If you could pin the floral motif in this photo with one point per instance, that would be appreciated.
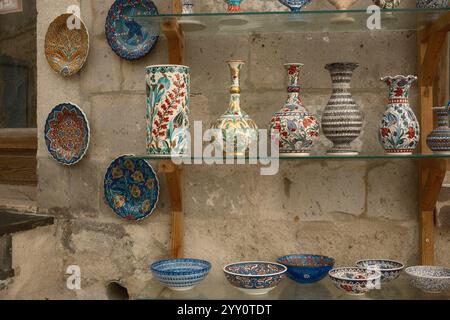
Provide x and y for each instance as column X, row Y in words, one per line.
column 297, row 129
column 399, row 130
column 307, row 268
column 234, row 5
column 432, row 3
column 66, row 49
column 128, row 39
column 180, row 274
column 168, row 89
column 429, row 278
column 390, row 270
column 355, row 281
column 439, row 139
column 387, row 4
column 67, row 134
column 131, row 188
column 295, row 5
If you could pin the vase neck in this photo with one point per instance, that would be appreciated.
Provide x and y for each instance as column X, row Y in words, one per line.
column 341, row 79
column 234, row 5
column 442, row 115
column 235, row 89
column 399, row 87
column 293, row 88
column 187, row 7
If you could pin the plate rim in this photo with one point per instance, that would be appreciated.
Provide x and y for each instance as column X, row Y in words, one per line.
column 87, row 51
column 157, row 183
column 110, row 42
column 88, row 134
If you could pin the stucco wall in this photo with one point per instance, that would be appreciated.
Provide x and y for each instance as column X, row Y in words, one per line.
column 346, row 209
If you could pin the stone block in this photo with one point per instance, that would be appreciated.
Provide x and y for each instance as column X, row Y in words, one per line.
column 392, row 190
column 443, row 216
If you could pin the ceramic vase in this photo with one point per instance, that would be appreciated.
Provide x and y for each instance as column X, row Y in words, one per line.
column 296, row 127
column 342, row 119
column 342, row 5
column 189, row 24
column 439, row 139
column 431, row 4
column 295, row 5
column 234, row 5
column 399, row 129
column 237, row 131
column 168, row 89
column 387, row 4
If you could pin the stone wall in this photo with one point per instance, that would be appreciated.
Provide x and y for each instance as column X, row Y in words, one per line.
column 347, row 209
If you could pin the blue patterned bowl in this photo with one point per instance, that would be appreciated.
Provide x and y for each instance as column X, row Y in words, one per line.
column 430, row 279
column 180, row 274
column 355, row 281
column 307, row 268
column 390, row 269
column 255, row 277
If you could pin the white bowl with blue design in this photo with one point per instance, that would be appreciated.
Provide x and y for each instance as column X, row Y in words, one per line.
column 390, row 269
column 180, row 274
column 255, row 277
column 430, row 279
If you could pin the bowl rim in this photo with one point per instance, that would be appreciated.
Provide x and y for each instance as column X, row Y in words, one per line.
column 375, row 276
column 408, row 271
column 332, row 260
column 402, row 265
column 206, row 266
column 255, row 275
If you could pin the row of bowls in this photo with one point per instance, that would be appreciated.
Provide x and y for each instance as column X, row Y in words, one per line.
column 257, row 278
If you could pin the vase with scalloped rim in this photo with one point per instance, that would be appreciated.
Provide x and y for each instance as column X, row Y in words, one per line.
column 342, row 5
column 342, row 119
column 236, row 129
column 296, row 6
column 388, row 5
column 399, row 132
column 296, row 127
column 439, row 139
column 233, row 7
column 189, row 24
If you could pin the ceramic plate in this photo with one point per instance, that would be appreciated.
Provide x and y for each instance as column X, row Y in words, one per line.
column 128, row 39
column 131, row 188
column 66, row 50
column 67, row 133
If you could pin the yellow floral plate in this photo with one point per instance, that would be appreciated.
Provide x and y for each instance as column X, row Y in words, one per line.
column 131, row 188
column 67, row 44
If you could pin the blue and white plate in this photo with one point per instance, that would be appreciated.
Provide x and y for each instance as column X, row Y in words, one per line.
column 129, row 39
column 67, row 133
column 131, row 188
column 180, row 274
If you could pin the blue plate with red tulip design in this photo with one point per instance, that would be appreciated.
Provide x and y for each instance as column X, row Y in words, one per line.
column 129, row 39
column 131, row 188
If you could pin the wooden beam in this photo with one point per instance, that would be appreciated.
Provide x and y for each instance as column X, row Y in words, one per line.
column 440, row 25
column 177, row 6
column 18, row 139
column 175, row 40
column 432, row 57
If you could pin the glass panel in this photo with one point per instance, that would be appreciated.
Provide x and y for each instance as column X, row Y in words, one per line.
column 304, row 21
column 18, row 64
column 214, row 289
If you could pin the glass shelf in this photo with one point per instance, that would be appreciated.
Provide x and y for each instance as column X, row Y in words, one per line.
column 288, row 22
column 220, row 289
column 312, row 157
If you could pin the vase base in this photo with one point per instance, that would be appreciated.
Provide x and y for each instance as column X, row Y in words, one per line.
column 399, row 153
column 342, row 154
column 234, row 21
column 191, row 25
column 443, row 153
column 294, row 155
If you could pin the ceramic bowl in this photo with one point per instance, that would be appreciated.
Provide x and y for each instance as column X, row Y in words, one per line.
column 430, row 279
column 307, row 268
column 255, row 278
column 355, row 281
column 390, row 269
column 180, row 274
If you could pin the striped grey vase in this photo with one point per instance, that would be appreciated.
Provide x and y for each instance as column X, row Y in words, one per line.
column 342, row 119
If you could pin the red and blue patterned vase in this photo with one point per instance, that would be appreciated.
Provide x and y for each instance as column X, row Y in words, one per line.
column 399, row 131
column 168, row 89
column 439, row 139
column 296, row 127
column 234, row 5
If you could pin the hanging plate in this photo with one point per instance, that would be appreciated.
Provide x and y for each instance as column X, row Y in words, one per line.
column 129, row 39
column 67, row 133
column 131, row 188
column 66, row 49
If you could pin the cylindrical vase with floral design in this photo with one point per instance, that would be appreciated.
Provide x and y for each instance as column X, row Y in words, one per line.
column 168, row 89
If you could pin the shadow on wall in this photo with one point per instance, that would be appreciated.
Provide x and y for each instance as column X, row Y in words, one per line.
column 115, row 291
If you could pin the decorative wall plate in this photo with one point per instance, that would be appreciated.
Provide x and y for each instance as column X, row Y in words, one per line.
column 67, row 133
column 131, row 188
column 129, row 39
column 66, row 49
